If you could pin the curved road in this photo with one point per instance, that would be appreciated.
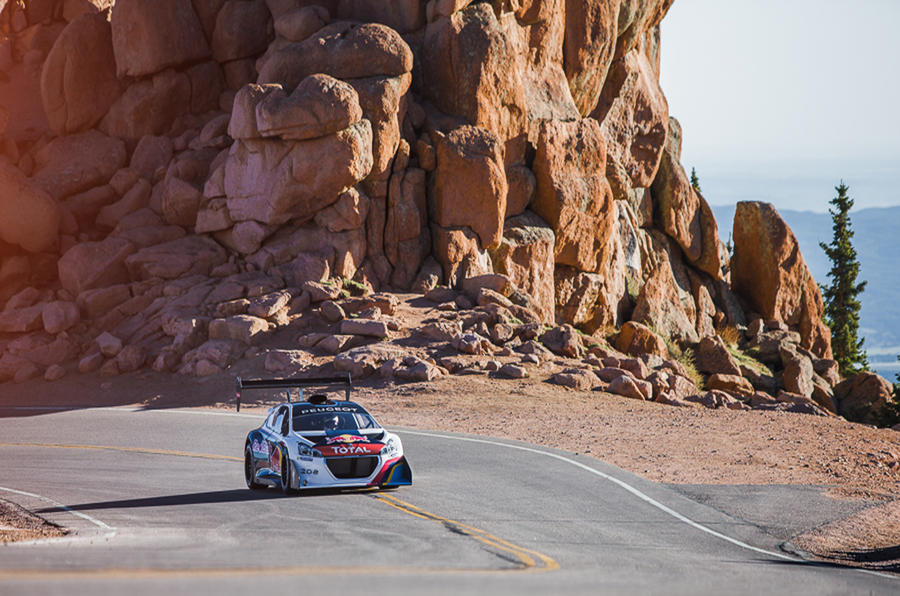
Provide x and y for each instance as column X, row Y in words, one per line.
column 158, row 505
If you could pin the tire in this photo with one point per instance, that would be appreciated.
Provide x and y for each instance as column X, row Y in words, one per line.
column 248, row 471
column 286, row 468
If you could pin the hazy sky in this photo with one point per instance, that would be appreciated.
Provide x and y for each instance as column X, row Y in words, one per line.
column 786, row 97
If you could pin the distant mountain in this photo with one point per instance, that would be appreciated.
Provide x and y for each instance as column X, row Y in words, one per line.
column 877, row 243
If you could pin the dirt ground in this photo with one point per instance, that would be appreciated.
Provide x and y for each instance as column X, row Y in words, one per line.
column 17, row 524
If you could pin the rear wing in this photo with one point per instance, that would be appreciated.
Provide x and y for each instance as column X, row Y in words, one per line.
column 342, row 381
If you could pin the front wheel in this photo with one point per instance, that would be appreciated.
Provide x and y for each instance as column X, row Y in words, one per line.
column 249, row 472
column 286, row 468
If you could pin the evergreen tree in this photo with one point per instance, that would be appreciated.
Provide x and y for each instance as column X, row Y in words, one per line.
column 842, row 296
column 695, row 181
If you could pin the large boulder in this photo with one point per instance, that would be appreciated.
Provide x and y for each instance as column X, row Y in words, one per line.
column 319, row 106
column 241, row 30
column 591, row 28
column 664, row 305
column 460, row 254
column 76, row 163
column 190, row 255
column 407, row 240
column 470, row 183
column 683, row 212
column 78, row 80
column 861, row 397
column 713, row 357
column 525, row 256
column 472, row 64
column 148, row 37
column 94, row 265
column 29, row 217
column 637, row 339
column 149, row 106
column 768, row 270
column 572, row 194
column 341, row 50
column 273, row 181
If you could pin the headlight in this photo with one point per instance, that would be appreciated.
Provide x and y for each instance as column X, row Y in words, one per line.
column 391, row 448
column 303, row 450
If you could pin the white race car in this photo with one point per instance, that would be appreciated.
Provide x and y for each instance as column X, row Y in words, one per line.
column 320, row 442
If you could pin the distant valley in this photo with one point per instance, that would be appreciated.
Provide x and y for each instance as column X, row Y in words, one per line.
column 877, row 243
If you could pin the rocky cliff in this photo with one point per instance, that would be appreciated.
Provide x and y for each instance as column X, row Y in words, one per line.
column 184, row 175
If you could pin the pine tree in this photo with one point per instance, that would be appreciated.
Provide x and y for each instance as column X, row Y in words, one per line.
column 695, row 181
column 842, row 296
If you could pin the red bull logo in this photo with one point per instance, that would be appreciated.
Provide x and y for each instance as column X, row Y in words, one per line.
column 345, row 439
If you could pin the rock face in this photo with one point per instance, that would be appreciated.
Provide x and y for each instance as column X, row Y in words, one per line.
column 209, row 175
column 769, row 271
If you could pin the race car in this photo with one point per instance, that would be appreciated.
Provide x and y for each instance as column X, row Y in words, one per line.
column 320, row 442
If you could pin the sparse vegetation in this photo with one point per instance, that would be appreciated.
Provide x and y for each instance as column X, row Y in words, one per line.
column 731, row 335
column 685, row 357
column 353, row 288
column 695, row 180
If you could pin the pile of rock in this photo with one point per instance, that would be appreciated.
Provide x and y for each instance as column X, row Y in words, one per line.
column 186, row 176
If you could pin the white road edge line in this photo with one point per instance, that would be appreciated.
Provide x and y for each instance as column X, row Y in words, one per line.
column 634, row 491
column 603, row 475
column 110, row 531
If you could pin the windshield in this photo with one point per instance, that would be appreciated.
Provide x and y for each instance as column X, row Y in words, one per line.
column 331, row 419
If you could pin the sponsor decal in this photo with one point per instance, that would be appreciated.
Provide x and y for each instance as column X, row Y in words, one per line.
column 275, row 459
column 351, row 449
column 260, row 447
column 304, row 458
column 320, row 409
column 345, row 439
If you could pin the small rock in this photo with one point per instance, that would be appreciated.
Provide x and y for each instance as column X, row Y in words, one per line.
column 319, row 292
column 367, row 327
column 54, row 373
column 730, row 384
column 131, row 358
column 286, row 360
column 90, row 363
column 441, row 294
column 441, row 330
column 628, row 386
column 109, row 345
column 611, row 373
column 579, row 379
column 332, row 344
column 109, row 369
column 59, row 316
column 267, row 305
column 563, row 340
column 244, row 328
column 332, row 311
column 25, row 372
column 205, row 368
column 513, row 371
column 531, row 359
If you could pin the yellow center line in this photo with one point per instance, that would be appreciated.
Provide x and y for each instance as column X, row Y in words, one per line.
column 521, row 553
column 126, row 450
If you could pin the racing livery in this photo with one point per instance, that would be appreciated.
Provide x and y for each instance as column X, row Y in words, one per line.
column 319, row 442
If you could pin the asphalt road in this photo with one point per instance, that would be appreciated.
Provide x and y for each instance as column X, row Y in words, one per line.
column 158, row 505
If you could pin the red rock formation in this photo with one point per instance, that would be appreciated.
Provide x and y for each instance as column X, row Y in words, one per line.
column 769, row 272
